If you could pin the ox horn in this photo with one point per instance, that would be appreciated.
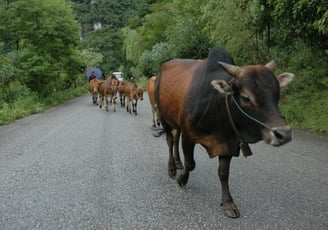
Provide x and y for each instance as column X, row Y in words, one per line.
column 271, row 65
column 231, row 69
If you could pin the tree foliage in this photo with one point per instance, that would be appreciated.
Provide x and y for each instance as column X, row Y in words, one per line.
column 41, row 39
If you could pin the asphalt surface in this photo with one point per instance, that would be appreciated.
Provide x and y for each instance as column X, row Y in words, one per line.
column 78, row 167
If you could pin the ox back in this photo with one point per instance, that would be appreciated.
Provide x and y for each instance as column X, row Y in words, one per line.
column 220, row 106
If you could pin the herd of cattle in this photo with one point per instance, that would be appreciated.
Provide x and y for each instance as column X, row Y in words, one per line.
column 106, row 92
column 216, row 104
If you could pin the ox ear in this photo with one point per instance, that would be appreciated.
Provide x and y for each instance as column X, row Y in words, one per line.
column 271, row 65
column 231, row 69
column 222, row 86
column 285, row 78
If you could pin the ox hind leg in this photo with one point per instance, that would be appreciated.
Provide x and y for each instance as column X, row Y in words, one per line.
column 176, row 154
column 154, row 116
column 153, row 121
column 171, row 167
column 229, row 207
column 189, row 162
column 134, row 107
column 157, row 118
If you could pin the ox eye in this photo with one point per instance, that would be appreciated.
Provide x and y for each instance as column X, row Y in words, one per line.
column 245, row 99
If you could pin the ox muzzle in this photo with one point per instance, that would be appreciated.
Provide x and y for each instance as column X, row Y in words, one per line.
column 278, row 135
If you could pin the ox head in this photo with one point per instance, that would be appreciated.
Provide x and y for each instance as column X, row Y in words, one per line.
column 255, row 93
column 140, row 92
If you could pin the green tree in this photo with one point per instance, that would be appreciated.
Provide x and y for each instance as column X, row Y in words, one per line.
column 108, row 43
column 300, row 19
column 43, row 34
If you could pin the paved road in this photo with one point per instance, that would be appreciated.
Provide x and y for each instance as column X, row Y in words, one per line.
column 79, row 167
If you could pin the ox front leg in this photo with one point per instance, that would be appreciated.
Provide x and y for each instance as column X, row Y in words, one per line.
column 128, row 106
column 94, row 98
column 97, row 98
column 189, row 161
column 114, row 103
column 229, row 207
column 101, row 99
column 123, row 101
column 106, row 103
column 134, row 106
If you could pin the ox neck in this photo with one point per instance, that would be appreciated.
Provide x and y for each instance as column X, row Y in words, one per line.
column 246, row 150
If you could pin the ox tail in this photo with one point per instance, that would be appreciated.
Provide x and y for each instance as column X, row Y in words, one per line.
column 157, row 132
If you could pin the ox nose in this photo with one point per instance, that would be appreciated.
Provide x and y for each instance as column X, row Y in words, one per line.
column 281, row 135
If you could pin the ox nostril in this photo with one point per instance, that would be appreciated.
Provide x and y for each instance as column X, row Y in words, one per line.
column 279, row 135
column 283, row 134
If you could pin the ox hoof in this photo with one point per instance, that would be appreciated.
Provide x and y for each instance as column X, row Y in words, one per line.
column 172, row 172
column 183, row 179
column 230, row 210
column 178, row 165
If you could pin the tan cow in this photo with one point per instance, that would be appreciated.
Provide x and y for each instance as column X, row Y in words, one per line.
column 115, row 85
column 94, row 86
column 107, row 92
column 151, row 96
column 133, row 94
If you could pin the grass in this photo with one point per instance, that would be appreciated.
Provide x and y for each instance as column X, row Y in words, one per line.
column 307, row 111
column 31, row 104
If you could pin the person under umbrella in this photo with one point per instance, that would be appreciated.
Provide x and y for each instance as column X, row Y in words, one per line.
column 92, row 76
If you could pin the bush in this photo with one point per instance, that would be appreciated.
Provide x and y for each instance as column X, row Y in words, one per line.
column 304, row 101
column 31, row 103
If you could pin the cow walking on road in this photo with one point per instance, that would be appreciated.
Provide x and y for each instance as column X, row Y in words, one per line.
column 151, row 96
column 221, row 106
column 94, row 86
column 133, row 94
column 108, row 91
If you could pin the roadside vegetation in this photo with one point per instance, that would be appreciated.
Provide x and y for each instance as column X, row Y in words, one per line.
column 46, row 46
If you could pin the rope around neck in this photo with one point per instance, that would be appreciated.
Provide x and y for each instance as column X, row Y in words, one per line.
column 246, row 150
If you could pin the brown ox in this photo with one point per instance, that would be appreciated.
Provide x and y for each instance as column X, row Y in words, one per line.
column 94, row 86
column 133, row 94
column 115, row 85
column 108, row 90
column 222, row 107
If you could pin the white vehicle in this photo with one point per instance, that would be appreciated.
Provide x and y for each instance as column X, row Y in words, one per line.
column 118, row 75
